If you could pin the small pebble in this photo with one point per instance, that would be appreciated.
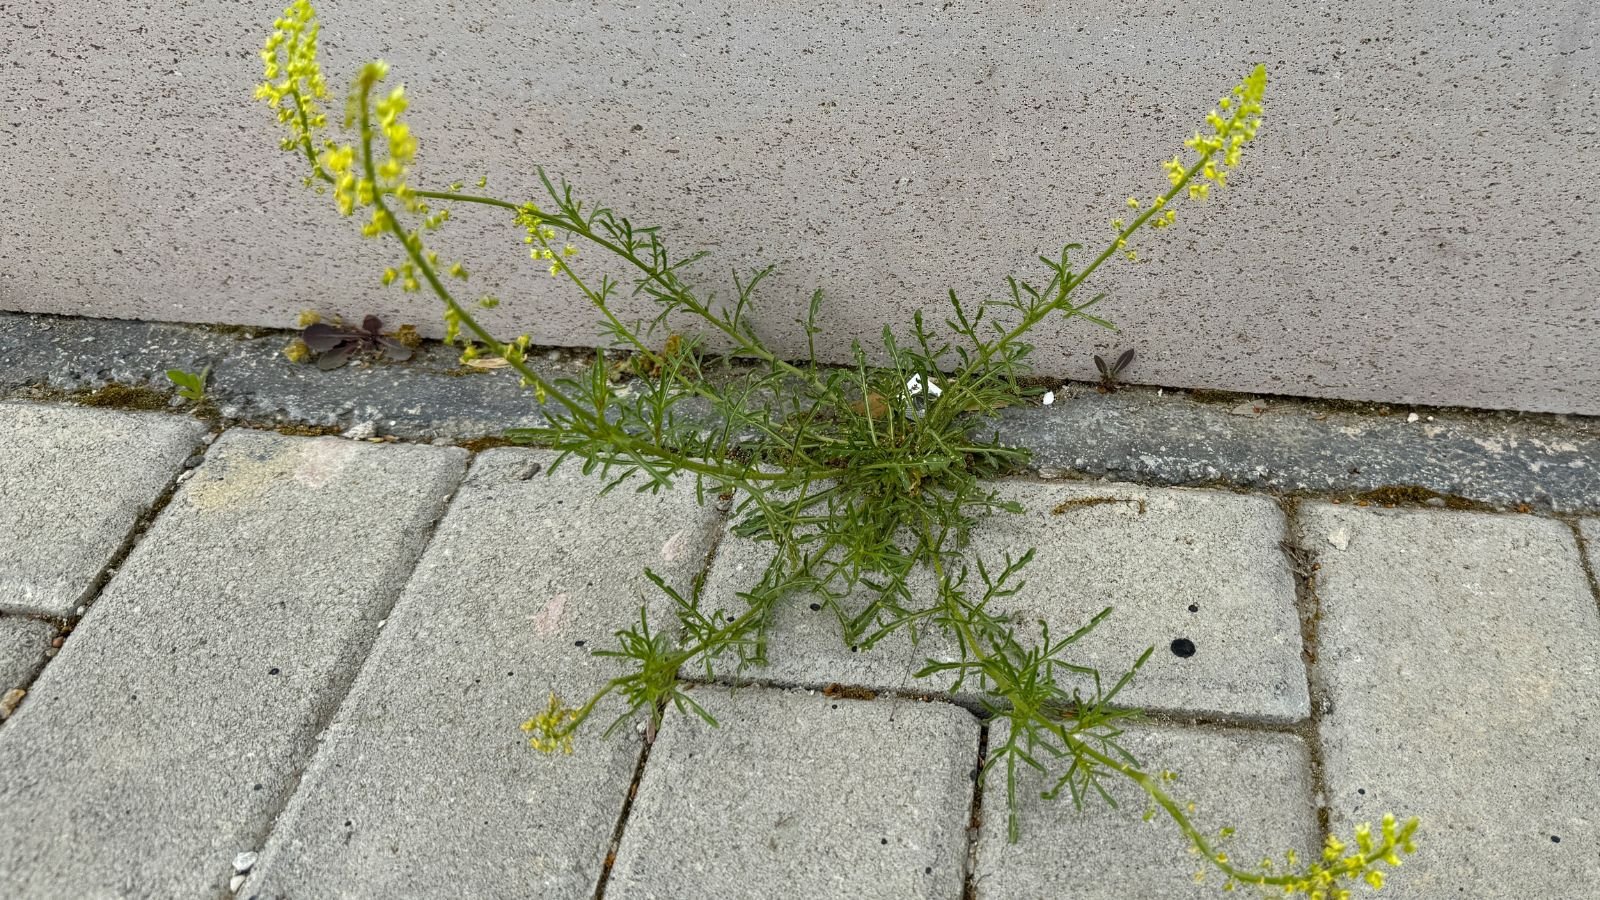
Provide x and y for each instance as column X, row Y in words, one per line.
column 1048, row 398
column 364, row 431
column 194, row 460
column 58, row 642
column 1340, row 539
column 235, row 883
column 244, row 861
column 50, row 652
column 9, row 701
column 1413, row 417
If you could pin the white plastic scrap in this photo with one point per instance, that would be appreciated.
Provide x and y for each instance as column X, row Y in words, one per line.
column 915, row 387
column 1048, row 398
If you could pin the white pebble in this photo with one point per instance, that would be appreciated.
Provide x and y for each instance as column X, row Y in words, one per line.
column 235, row 883
column 1340, row 539
column 1048, row 398
column 1413, row 417
column 244, row 861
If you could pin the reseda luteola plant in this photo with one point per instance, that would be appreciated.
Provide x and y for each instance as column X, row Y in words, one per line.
column 857, row 476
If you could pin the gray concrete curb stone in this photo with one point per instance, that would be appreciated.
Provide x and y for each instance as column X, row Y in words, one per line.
column 797, row 795
column 1136, row 434
column 424, row 786
column 74, row 482
column 1457, row 651
column 180, row 712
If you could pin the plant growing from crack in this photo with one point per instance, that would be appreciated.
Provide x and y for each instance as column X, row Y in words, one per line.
column 857, row 476
column 191, row 385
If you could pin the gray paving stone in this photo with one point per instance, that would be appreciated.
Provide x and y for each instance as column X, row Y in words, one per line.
column 424, row 785
column 175, row 721
column 1256, row 783
column 797, row 795
column 1151, row 553
column 75, row 480
column 22, row 646
column 1458, row 655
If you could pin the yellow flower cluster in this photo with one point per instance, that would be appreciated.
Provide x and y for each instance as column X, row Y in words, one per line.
column 293, row 86
column 1324, row 879
column 551, row 730
column 1233, row 124
column 292, row 78
column 540, row 235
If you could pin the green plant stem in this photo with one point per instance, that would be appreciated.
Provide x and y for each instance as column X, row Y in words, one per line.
column 745, row 345
column 597, row 424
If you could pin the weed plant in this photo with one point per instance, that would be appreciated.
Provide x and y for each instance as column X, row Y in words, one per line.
column 856, row 476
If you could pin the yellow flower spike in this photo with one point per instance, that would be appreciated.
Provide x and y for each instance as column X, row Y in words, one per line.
column 1174, row 167
column 459, row 271
column 389, row 275
column 569, row 250
column 548, row 727
column 1116, row 224
column 1133, row 202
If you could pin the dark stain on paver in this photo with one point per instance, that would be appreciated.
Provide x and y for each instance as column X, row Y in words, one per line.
column 1082, row 502
column 849, row 692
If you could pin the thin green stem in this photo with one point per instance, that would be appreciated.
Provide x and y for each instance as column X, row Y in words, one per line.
column 413, row 247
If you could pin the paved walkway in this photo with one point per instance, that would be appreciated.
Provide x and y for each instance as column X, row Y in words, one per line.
column 303, row 678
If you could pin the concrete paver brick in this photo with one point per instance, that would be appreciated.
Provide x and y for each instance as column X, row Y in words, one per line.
column 1458, row 655
column 424, row 786
column 178, row 716
column 1190, row 572
column 1254, row 782
column 799, row 795
column 74, row 481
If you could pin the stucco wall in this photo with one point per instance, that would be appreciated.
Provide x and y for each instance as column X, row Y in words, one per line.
column 1416, row 222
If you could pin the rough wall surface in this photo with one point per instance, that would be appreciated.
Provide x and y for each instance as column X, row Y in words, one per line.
column 1415, row 223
